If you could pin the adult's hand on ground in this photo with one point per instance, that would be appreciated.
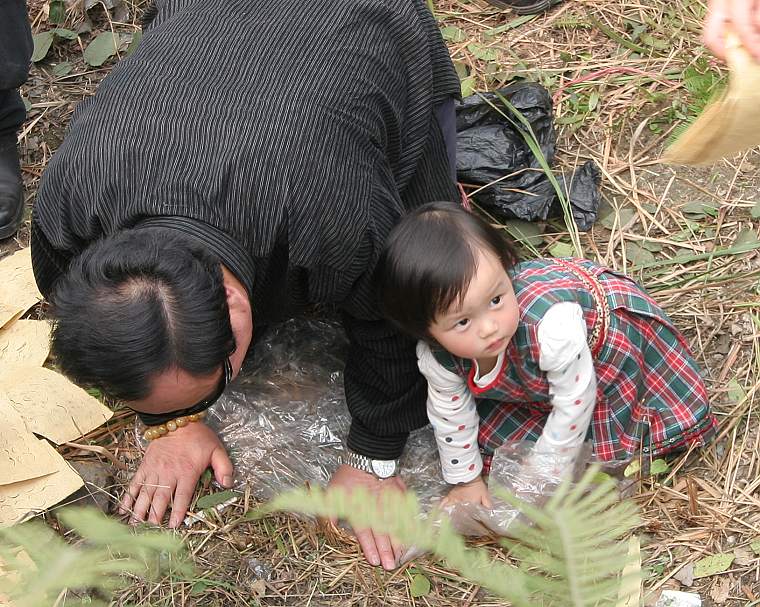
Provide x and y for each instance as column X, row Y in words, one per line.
column 739, row 16
column 377, row 548
column 170, row 470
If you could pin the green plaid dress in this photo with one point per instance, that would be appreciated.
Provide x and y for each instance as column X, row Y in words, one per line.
column 650, row 394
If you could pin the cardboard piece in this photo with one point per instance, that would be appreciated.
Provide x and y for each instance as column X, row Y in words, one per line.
column 20, row 501
column 23, row 455
column 33, row 476
column 24, row 342
column 25, row 561
column 19, row 292
column 730, row 124
column 50, row 404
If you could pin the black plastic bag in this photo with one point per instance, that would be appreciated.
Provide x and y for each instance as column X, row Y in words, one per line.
column 490, row 148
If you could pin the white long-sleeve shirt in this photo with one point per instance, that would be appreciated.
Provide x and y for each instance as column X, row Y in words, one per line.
column 564, row 357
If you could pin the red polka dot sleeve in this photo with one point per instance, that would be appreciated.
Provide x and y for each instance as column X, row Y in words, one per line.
column 569, row 367
column 454, row 417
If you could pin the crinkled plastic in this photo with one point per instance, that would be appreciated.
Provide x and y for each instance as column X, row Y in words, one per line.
column 491, row 150
column 284, row 418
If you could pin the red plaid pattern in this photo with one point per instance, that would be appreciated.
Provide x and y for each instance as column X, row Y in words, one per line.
column 650, row 394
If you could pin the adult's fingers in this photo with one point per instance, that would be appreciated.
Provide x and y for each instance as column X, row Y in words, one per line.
column 368, row 546
column 398, row 550
column 742, row 17
column 183, row 495
column 222, row 467
column 160, row 502
column 714, row 31
column 142, row 504
column 131, row 493
column 385, row 550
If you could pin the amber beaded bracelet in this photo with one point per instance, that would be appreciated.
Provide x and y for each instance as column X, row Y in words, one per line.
column 154, row 432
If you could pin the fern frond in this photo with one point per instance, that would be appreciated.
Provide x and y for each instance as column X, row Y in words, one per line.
column 37, row 564
column 576, row 558
column 572, row 554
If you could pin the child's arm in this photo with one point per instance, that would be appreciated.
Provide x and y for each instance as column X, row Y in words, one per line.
column 569, row 367
column 454, row 417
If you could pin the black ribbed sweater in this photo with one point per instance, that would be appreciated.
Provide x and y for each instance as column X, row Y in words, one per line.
column 288, row 137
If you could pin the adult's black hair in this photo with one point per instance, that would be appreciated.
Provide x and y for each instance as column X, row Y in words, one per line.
column 429, row 260
column 135, row 304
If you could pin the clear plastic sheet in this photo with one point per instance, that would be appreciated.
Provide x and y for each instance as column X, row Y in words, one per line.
column 284, row 418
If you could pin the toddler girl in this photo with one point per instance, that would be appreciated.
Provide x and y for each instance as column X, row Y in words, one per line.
column 549, row 350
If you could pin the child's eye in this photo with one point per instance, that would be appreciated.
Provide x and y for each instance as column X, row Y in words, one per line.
column 461, row 324
column 496, row 300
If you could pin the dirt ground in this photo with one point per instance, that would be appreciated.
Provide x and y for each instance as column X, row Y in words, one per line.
column 623, row 76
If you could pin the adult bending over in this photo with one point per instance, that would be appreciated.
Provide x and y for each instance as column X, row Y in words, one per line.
column 248, row 160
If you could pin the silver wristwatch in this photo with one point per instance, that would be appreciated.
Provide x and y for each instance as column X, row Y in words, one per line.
column 381, row 468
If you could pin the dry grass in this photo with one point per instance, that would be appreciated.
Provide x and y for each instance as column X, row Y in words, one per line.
column 618, row 95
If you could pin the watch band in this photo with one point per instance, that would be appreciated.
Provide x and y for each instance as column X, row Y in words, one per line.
column 381, row 468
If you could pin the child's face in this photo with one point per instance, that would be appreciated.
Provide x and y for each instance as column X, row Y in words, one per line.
column 486, row 320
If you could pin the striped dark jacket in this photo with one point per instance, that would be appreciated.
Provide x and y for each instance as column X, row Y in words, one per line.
column 288, row 137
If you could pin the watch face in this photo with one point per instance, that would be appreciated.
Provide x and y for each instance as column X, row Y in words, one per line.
column 383, row 468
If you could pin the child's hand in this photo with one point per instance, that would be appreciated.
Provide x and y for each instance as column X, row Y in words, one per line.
column 474, row 492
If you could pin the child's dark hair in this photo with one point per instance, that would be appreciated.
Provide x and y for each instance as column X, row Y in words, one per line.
column 429, row 260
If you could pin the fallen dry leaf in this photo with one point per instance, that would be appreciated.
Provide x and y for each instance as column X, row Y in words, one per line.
column 743, row 557
column 685, row 574
column 720, row 589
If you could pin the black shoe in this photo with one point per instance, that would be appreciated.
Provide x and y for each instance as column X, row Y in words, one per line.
column 524, row 7
column 11, row 199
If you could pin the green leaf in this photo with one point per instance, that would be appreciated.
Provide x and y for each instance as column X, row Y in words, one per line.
column 468, row 86
column 27, row 104
column 561, row 249
column 608, row 220
column 462, row 69
column 650, row 245
column 698, row 208
column 100, row 49
column 602, row 477
column 510, row 25
column 198, row 588
column 657, row 43
column 755, row 546
column 638, row 254
column 420, row 586
column 659, row 466
column 570, row 119
column 710, row 565
column 61, row 69
column 62, row 32
column 735, row 391
column 452, row 33
column 214, row 499
column 42, row 43
column 747, row 236
column 632, row 469
column 136, row 37
column 57, row 11
column 593, row 101
column 755, row 211
column 481, row 52
column 94, row 392
column 525, row 231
